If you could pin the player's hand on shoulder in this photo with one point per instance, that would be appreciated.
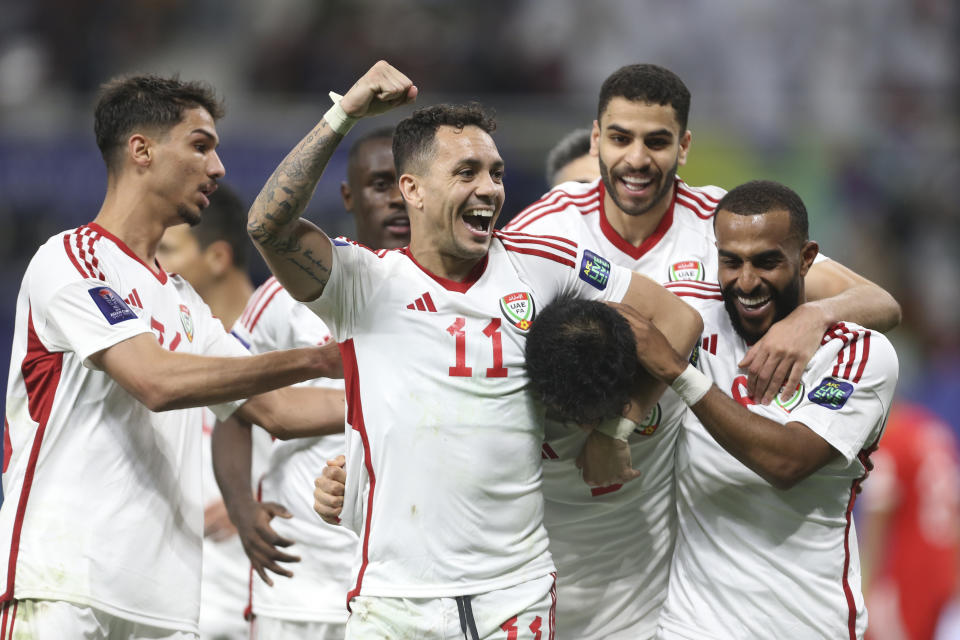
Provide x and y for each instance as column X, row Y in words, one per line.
column 380, row 89
column 261, row 543
column 328, row 490
column 778, row 359
column 605, row 461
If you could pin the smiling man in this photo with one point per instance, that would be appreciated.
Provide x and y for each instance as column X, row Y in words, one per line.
column 443, row 449
column 102, row 523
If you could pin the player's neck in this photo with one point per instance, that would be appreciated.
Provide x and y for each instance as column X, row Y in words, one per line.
column 443, row 265
column 228, row 297
column 635, row 229
column 127, row 215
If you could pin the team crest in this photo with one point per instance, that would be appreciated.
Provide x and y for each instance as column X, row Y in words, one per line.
column 789, row 404
column 650, row 423
column 187, row 321
column 518, row 309
column 686, row 270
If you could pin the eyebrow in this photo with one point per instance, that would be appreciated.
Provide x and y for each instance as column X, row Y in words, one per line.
column 476, row 162
column 658, row 132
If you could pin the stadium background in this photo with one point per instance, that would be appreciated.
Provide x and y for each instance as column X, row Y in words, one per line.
column 854, row 104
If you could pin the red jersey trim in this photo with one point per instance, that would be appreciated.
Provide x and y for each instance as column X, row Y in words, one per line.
column 263, row 307
column 527, row 238
column 73, row 243
column 555, row 202
column 446, row 283
column 848, row 353
column 553, row 606
column 706, row 203
column 41, row 375
column 649, row 243
column 542, row 254
column 519, row 236
column 351, row 378
column 159, row 274
column 255, row 299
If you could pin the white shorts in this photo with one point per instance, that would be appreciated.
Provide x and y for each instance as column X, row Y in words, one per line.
column 59, row 620
column 526, row 611
column 267, row 628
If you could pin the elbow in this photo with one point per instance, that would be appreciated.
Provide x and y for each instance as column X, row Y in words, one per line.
column 156, row 399
column 786, row 475
column 895, row 315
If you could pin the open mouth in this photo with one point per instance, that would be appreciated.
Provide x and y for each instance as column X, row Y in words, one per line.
column 635, row 185
column 398, row 225
column 754, row 305
column 478, row 220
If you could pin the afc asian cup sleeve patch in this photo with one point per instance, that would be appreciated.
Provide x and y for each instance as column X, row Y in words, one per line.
column 831, row 393
column 594, row 270
column 112, row 306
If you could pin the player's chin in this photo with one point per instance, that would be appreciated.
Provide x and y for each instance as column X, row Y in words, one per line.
column 190, row 215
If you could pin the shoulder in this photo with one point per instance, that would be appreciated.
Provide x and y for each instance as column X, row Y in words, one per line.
column 524, row 247
column 270, row 295
column 697, row 203
column 559, row 205
column 857, row 355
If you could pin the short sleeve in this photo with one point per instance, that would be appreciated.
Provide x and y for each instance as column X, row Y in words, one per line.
column 848, row 390
column 276, row 321
column 85, row 317
column 355, row 276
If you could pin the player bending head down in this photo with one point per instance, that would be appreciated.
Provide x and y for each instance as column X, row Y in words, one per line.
column 581, row 360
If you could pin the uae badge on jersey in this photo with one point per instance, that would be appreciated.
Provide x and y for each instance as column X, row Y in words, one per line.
column 789, row 404
column 686, row 270
column 187, row 321
column 650, row 423
column 518, row 309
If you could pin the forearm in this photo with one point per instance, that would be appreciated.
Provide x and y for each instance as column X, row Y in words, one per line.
column 297, row 412
column 866, row 304
column 781, row 454
column 232, row 445
column 292, row 247
column 679, row 323
column 163, row 380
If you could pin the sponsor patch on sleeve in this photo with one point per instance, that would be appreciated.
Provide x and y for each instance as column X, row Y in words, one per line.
column 594, row 270
column 831, row 393
column 112, row 306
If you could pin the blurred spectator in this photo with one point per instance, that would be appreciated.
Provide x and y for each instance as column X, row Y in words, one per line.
column 911, row 532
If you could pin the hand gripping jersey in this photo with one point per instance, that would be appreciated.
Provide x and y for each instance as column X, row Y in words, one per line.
column 443, row 451
column 613, row 545
column 103, row 501
column 753, row 561
column 274, row 320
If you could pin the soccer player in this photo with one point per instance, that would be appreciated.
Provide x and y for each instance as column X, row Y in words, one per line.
column 649, row 220
column 212, row 258
column 102, row 522
column 311, row 604
column 443, row 448
column 766, row 545
column 570, row 160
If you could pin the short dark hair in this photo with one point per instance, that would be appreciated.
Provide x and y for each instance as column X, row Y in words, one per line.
column 581, row 360
column 414, row 136
column 571, row 146
column 129, row 102
column 647, row 83
column 225, row 219
column 763, row 196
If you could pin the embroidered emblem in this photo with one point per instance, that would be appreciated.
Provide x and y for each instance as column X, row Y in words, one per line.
column 519, row 310
column 112, row 306
column 187, row 321
column 831, row 393
column 686, row 270
column 594, row 270
column 789, row 404
column 651, row 422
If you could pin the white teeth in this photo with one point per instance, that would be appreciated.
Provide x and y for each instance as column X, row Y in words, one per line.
column 636, row 183
column 752, row 302
column 480, row 213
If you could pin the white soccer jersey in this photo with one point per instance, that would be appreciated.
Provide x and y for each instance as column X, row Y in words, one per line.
column 317, row 592
column 613, row 545
column 443, row 449
column 102, row 496
column 753, row 561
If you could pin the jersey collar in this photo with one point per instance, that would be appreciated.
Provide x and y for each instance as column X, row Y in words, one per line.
column 453, row 285
column 650, row 242
column 159, row 274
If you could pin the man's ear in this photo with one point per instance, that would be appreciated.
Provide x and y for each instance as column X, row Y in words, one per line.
column 595, row 139
column 347, row 195
column 219, row 257
column 411, row 190
column 685, row 140
column 807, row 255
column 140, row 149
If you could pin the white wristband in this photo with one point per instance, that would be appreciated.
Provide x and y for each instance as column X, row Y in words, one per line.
column 337, row 118
column 691, row 385
column 618, row 428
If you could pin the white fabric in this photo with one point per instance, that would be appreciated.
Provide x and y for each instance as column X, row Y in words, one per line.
column 113, row 517
column 267, row 628
column 445, row 449
column 225, row 584
column 317, row 591
column 613, row 547
column 753, row 561
column 58, row 620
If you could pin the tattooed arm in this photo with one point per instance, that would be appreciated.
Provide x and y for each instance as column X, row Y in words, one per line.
column 297, row 251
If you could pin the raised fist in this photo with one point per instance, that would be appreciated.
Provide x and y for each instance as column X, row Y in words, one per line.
column 380, row 89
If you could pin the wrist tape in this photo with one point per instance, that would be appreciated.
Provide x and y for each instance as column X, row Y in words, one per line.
column 619, row 429
column 337, row 118
column 691, row 385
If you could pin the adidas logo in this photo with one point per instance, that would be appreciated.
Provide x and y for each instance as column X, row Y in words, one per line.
column 134, row 300
column 423, row 303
